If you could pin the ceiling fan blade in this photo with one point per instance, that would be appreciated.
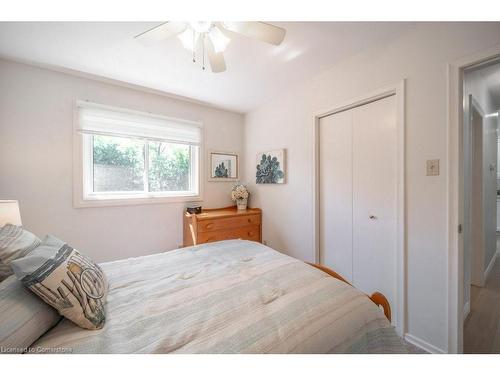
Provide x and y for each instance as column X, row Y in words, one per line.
column 258, row 30
column 216, row 59
column 161, row 32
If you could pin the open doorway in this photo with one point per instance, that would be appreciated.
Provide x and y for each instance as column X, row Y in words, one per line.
column 481, row 183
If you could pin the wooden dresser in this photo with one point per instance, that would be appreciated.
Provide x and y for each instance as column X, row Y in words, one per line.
column 222, row 224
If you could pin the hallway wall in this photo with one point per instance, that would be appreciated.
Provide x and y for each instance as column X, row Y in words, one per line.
column 475, row 85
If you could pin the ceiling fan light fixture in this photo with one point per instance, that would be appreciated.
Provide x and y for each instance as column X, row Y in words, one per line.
column 189, row 39
column 201, row 27
column 209, row 39
column 219, row 40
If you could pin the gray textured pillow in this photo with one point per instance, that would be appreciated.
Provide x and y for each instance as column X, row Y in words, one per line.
column 66, row 280
column 15, row 242
column 23, row 316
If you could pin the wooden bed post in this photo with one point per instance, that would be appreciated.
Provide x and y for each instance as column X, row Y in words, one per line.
column 377, row 297
column 380, row 300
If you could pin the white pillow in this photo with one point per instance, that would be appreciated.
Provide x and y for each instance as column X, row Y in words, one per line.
column 15, row 242
column 23, row 316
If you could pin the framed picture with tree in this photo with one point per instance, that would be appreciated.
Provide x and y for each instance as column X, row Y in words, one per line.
column 223, row 166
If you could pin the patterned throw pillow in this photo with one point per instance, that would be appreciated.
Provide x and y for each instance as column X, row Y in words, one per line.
column 15, row 242
column 67, row 280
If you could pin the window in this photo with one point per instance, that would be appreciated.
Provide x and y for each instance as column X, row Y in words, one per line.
column 134, row 157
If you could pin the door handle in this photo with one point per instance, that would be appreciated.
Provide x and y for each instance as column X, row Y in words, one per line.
column 372, row 217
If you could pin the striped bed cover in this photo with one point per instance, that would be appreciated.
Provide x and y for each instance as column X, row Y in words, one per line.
column 228, row 297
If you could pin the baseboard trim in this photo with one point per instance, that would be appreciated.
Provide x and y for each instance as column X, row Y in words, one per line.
column 466, row 310
column 490, row 266
column 424, row 345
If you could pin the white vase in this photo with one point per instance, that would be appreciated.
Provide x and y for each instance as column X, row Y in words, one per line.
column 241, row 204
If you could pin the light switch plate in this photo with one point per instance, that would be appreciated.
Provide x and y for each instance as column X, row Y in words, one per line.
column 433, row 167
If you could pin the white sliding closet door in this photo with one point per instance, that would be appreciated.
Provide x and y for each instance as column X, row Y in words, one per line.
column 375, row 197
column 358, row 195
column 335, row 170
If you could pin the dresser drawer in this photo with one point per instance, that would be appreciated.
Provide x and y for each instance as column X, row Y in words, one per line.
column 221, row 224
column 251, row 233
column 230, row 222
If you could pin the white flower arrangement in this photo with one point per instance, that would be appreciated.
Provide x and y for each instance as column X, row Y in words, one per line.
column 239, row 192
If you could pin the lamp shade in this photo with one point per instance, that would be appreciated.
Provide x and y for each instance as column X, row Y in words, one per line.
column 9, row 213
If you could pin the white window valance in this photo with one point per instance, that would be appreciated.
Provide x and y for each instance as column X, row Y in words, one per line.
column 98, row 119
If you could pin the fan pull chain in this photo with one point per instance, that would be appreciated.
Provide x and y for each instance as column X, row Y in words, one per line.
column 203, row 51
column 194, row 47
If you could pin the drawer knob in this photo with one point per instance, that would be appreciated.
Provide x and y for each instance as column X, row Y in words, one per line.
column 210, row 225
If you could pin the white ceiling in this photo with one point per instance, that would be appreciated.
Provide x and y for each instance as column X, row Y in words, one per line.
column 255, row 72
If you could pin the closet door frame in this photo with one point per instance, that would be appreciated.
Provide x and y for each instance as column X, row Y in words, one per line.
column 398, row 89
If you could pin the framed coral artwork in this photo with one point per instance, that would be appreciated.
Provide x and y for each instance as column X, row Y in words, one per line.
column 223, row 166
column 270, row 167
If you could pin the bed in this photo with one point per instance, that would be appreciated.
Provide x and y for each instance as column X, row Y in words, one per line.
column 229, row 297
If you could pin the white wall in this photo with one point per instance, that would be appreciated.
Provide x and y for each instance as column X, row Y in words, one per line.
column 475, row 85
column 36, row 114
column 420, row 57
column 490, row 144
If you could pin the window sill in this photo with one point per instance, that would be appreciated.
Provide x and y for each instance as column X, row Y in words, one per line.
column 131, row 201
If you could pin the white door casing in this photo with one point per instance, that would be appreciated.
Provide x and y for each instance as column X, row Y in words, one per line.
column 455, row 192
column 474, row 255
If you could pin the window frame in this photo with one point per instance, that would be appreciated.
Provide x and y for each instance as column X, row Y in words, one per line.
column 83, row 194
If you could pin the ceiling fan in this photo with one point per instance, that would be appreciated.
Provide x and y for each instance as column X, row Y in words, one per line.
column 211, row 37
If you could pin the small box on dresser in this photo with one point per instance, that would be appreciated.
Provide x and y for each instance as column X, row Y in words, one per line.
column 220, row 224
